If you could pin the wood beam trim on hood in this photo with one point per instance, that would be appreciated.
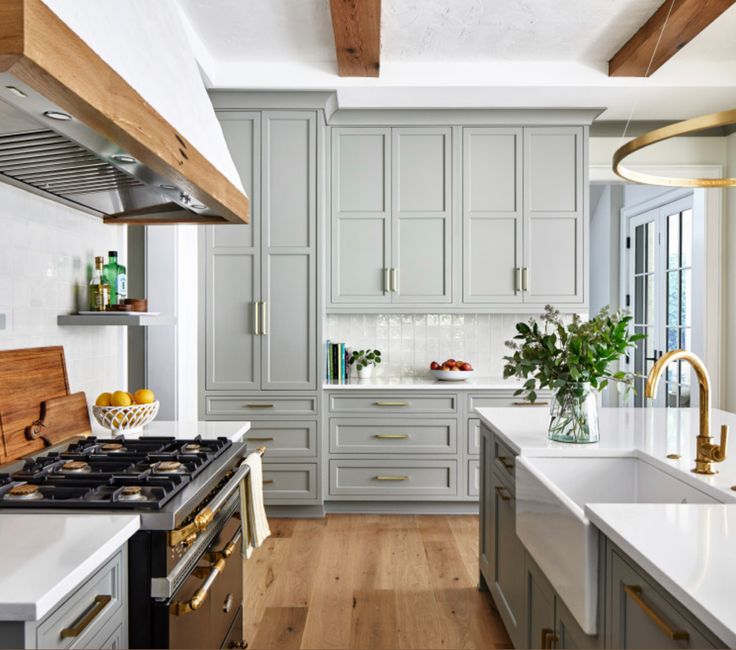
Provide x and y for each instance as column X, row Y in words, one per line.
column 57, row 63
column 166, row 213
column 357, row 28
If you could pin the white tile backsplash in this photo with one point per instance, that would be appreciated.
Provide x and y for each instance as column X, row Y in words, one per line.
column 410, row 342
column 46, row 255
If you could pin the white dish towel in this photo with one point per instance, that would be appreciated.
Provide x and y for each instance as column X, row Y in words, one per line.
column 252, row 510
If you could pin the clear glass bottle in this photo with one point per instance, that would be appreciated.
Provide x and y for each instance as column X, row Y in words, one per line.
column 99, row 289
column 116, row 278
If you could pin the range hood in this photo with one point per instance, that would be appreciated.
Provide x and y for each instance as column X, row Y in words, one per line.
column 75, row 131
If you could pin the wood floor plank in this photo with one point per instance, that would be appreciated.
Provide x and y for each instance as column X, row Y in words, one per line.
column 280, row 628
column 374, row 621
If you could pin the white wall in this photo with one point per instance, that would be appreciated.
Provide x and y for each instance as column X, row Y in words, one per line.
column 47, row 252
column 145, row 42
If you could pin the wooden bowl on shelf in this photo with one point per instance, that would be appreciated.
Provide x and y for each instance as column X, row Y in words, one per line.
column 137, row 304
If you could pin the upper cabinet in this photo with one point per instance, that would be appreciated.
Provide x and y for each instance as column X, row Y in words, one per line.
column 513, row 238
column 391, row 216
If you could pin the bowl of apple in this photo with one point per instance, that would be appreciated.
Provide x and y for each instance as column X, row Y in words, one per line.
column 451, row 370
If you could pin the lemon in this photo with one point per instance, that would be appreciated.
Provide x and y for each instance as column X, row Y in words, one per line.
column 103, row 399
column 144, row 396
column 120, row 398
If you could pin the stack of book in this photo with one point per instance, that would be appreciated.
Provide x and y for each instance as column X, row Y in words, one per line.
column 336, row 363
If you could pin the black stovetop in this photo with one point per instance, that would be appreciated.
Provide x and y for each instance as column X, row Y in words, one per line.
column 116, row 473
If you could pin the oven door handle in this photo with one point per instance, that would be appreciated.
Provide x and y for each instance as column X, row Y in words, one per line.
column 195, row 602
column 207, row 514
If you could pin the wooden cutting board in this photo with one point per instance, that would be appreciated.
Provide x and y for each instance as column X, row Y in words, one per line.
column 28, row 378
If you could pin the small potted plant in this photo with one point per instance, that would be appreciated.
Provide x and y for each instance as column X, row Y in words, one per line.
column 575, row 362
column 365, row 361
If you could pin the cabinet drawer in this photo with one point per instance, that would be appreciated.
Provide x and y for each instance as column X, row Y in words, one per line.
column 392, row 403
column 393, row 478
column 473, row 436
column 494, row 401
column 473, row 478
column 261, row 406
column 407, row 436
column 281, row 439
column 504, row 460
column 82, row 615
column 289, row 481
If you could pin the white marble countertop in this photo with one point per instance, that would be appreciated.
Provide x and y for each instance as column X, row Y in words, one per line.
column 425, row 383
column 208, row 430
column 44, row 557
column 697, row 564
column 689, row 549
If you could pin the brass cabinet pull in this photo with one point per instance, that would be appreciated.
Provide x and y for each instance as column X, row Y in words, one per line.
column 525, row 279
column 517, row 279
column 391, row 436
column 256, row 319
column 502, row 493
column 392, row 478
column 229, row 549
column 264, row 319
column 267, row 481
column 261, row 405
column 635, row 593
column 386, row 280
column 99, row 603
column 395, row 280
column 195, row 602
column 549, row 639
column 390, row 403
column 509, row 465
column 259, row 439
column 531, row 403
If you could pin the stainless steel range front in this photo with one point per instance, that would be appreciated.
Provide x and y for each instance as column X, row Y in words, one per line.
column 185, row 566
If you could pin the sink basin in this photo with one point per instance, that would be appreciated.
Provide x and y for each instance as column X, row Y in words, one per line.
column 551, row 494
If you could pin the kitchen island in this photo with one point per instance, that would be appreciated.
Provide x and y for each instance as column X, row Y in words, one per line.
column 620, row 543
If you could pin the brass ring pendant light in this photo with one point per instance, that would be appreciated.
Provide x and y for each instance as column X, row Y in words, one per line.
column 693, row 125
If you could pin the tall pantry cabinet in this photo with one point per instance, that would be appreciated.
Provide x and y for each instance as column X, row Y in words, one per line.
column 259, row 283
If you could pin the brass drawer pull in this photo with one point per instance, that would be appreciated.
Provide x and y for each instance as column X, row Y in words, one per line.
column 267, row 481
column 502, row 493
column 259, row 439
column 635, row 593
column 391, row 436
column 531, row 403
column 507, row 464
column 392, row 478
column 262, row 405
column 195, row 602
column 390, row 403
column 99, row 603
column 549, row 639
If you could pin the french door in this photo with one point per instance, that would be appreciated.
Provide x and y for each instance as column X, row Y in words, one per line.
column 660, row 297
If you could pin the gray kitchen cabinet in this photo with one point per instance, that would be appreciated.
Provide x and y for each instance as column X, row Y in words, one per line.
column 640, row 614
column 485, row 549
column 540, row 608
column 492, row 215
column 391, row 216
column 568, row 634
column 554, row 215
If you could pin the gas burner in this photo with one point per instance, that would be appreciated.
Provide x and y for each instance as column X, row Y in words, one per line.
column 24, row 492
column 76, row 467
column 113, row 448
column 168, row 467
column 192, row 448
column 132, row 493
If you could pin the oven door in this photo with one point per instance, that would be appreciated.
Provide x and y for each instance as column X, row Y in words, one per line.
column 203, row 611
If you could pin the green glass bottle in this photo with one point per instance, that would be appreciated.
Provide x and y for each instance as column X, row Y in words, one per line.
column 115, row 276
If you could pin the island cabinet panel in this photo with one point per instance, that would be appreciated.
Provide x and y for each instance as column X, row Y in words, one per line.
column 640, row 614
column 540, row 607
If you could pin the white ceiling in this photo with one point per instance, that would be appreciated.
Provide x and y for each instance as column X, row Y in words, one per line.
column 476, row 53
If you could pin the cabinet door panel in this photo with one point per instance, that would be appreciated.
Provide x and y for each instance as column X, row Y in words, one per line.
column 540, row 607
column 554, row 214
column 361, row 230
column 233, row 352
column 486, row 504
column 492, row 215
column 421, row 214
column 289, row 354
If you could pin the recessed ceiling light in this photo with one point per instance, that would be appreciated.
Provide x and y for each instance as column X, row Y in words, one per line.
column 58, row 115
column 164, row 186
column 16, row 91
column 124, row 158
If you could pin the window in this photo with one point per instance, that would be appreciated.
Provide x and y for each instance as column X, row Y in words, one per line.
column 660, row 296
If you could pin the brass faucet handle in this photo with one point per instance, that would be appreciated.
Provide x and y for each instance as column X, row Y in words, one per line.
column 716, row 453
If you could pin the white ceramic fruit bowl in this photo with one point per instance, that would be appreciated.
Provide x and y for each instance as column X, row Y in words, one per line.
column 452, row 375
column 125, row 419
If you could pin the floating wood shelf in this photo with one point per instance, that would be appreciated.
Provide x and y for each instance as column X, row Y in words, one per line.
column 119, row 320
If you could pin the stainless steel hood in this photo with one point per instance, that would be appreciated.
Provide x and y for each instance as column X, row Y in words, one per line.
column 72, row 130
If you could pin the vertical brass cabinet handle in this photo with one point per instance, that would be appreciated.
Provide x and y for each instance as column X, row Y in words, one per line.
column 635, row 593
column 196, row 601
column 395, row 280
column 517, row 279
column 386, row 280
column 256, row 319
column 264, row 319
column 502, row 493
column 525, row 279
column 392, row 478
column 390, row 403
column 391, row 436
column 99, row 603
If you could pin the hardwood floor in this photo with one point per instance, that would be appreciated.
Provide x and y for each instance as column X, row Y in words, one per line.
column 369, row 581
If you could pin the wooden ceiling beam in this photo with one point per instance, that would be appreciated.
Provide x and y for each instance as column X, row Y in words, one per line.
column 673, row 25
column 357, row 28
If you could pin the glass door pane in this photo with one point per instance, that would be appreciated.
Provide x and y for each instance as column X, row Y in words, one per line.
column 644, row 304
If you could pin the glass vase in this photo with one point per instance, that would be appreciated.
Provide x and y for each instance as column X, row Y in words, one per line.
column 574, row 415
